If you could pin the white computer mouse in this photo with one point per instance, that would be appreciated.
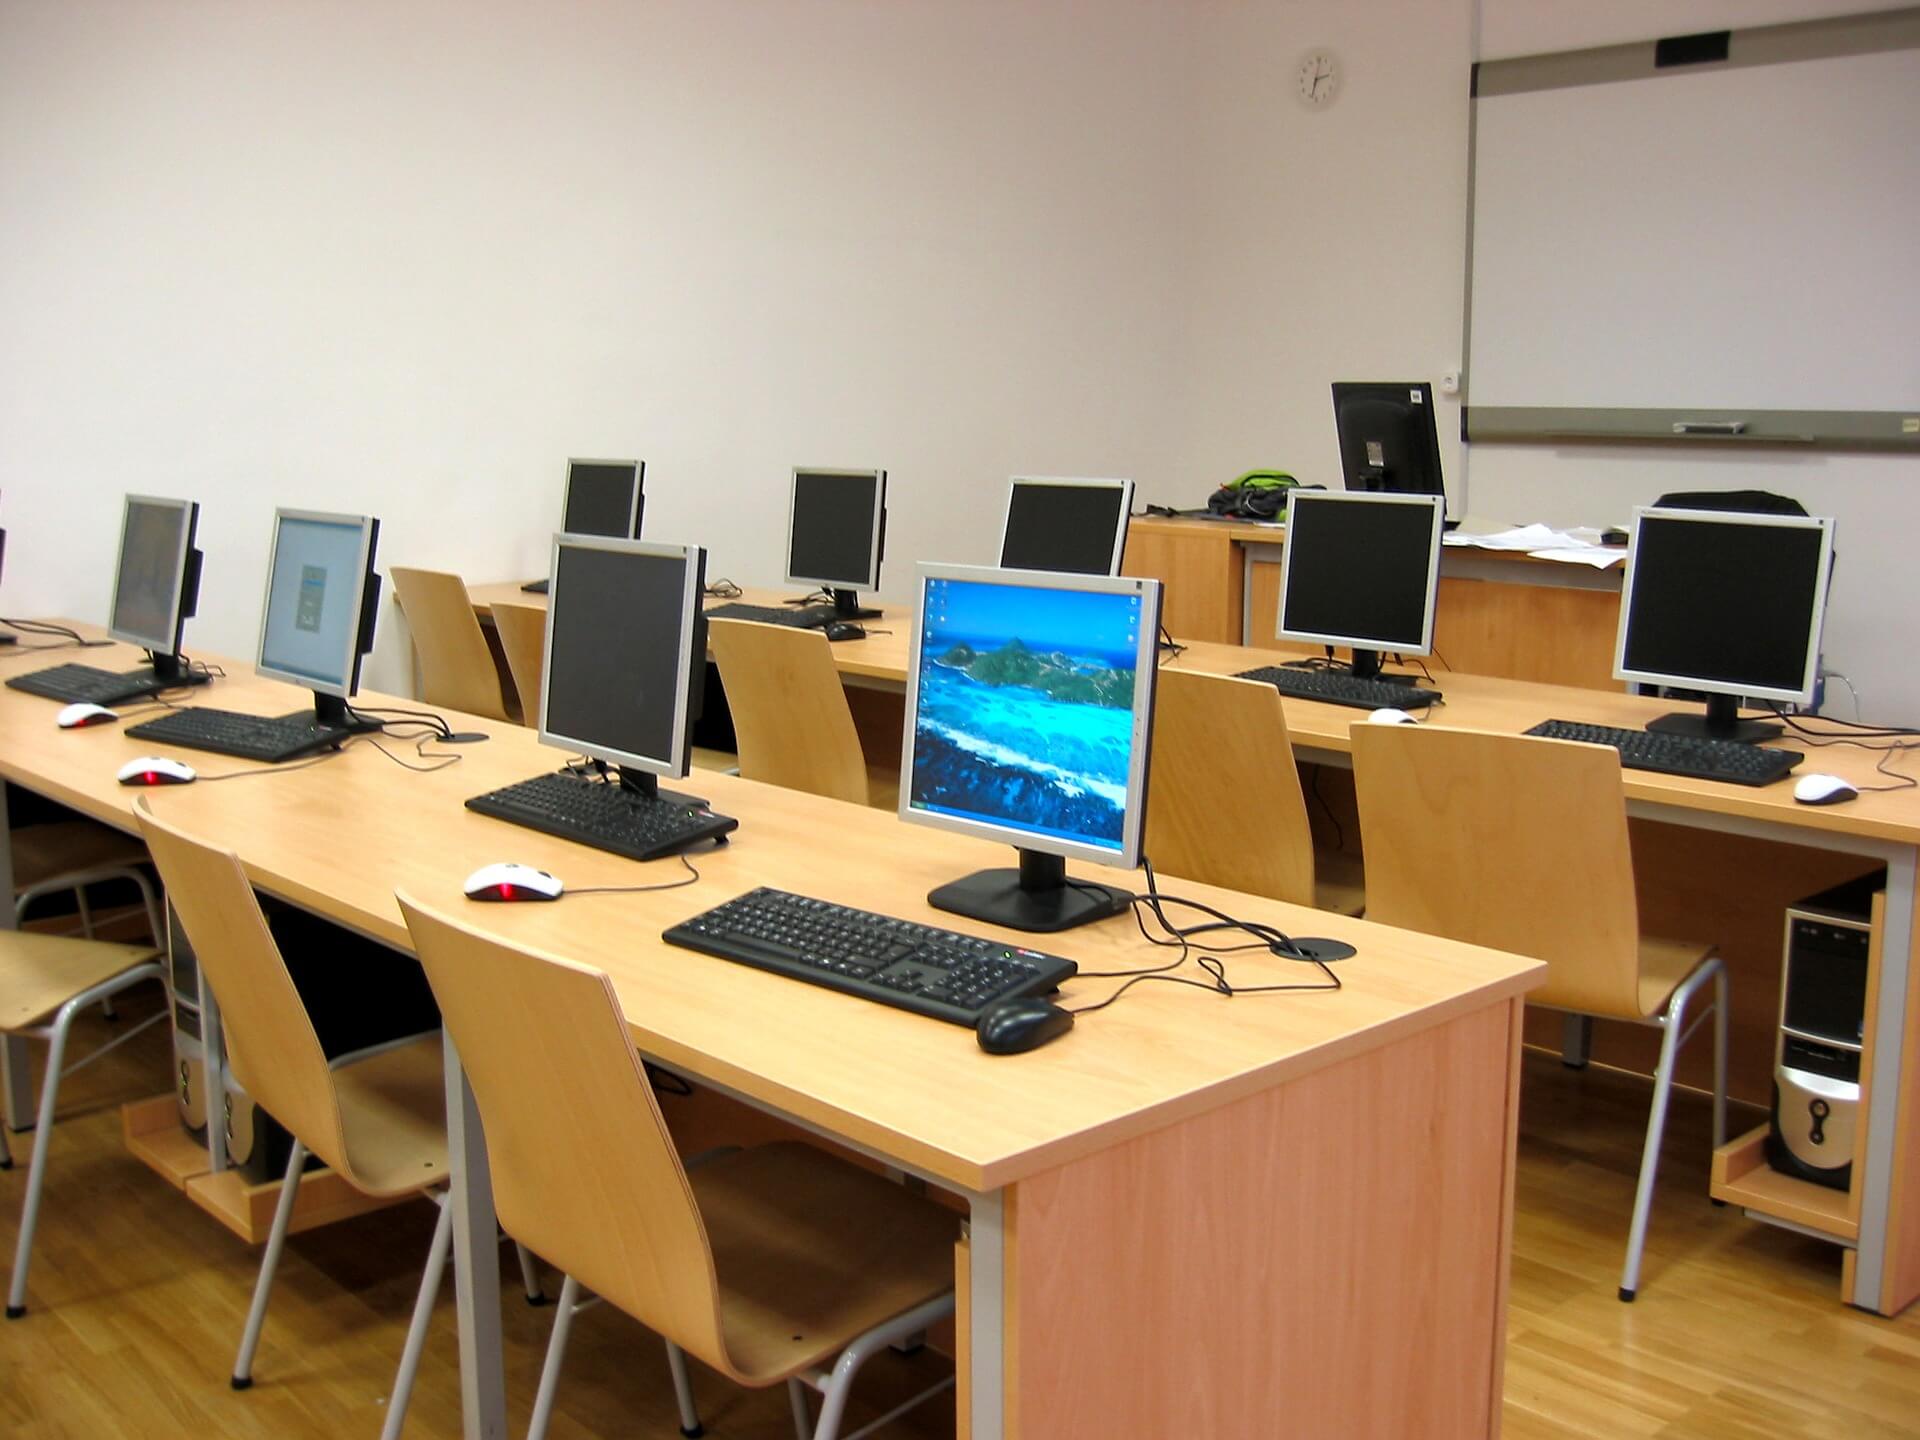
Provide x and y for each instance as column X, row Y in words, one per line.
column 507, row 881
column 84, row 714
column 156, row 770
column 1817, row 789
column 1390, row 716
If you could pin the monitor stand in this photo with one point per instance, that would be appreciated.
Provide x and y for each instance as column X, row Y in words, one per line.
column 1720, row 722
column 7, row 637
column 646, row 784
column 330, row 712
column 171, row 672
column 846, row 606
column 1037, row 897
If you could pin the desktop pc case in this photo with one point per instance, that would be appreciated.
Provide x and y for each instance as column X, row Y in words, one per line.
column 1816, row 1072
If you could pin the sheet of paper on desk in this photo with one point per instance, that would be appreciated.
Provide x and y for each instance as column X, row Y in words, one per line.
column 1580, row 546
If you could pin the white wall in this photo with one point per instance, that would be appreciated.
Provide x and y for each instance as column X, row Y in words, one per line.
column 406, row 258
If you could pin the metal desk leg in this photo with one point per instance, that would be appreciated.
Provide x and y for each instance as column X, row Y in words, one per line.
column 1882, row 1137
column 476, row 1262
column 987, row 1291
column 16, row 1075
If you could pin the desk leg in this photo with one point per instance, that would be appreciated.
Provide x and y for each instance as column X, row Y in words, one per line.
column 987, row 1302
column 476, row 1262
column 16, row 1075
column 1878, row 1218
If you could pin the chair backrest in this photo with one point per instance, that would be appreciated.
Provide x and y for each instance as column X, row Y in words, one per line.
column 584, row 1172
column 275, row 1053
column 1224, row 804
column 523, row 636
column 456, row 667
column 1508, row 841
column 791, row 720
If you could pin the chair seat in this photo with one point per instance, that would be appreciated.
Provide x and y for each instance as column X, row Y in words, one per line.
column 393, row 1107
column 40, row 973
column 811, row 1251
column 1664, row 966
column 41, row 852
column 1339, row 882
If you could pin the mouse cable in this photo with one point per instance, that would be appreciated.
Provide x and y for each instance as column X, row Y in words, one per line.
column 689, row 878
column 722, row 589
column 377, row 714
column 1798, row 724
column 60, row 632
column 441, row 758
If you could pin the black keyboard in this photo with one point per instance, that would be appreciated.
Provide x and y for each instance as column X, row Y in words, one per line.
column 1733, row 761
column 939, row 973
column 535, row 587
column 801, row 617
column 1337, row 687
column 605, row 815
column 89, row 683
column 272, row 738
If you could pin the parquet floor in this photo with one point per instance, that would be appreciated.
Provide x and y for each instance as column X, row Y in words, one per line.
column 137, row 1300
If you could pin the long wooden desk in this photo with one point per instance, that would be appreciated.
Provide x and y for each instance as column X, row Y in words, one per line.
column 1285, row 1215
column 1717, row 863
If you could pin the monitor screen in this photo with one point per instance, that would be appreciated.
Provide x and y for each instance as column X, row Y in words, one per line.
column 1075, row 526
column 1725, row 602
column 833, row 535
column 1360, row 570
column 150, row 580
column 1028, row 710
column 316, row 590
column 603, row 498
column 1388, row 438
column 622, row 631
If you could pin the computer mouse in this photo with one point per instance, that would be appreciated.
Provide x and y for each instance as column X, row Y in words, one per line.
column 1390, row 716
column 84, row 714
column 1823, row 790
column 846, row 630
column 508, row 881
column 1015, row 1026
column 156, row 770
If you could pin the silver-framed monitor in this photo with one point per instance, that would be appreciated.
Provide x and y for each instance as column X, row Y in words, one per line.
column 322, row 601
column 604, row 497
column 1361, row 569
column 1068, row 524
column 625, row 653
column 836, row 533
column 1727, row 603
column 156, row 580
column 1029, row 721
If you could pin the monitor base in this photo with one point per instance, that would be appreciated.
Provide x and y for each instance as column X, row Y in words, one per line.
column 846, row 606
column 7, row 638
column 1719, row 721
column 1024, row 899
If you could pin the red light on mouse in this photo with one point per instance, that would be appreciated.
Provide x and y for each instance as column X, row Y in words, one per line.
column 152, row 777
column 506, row 892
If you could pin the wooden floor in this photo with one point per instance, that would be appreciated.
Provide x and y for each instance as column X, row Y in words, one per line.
column 137, row 1299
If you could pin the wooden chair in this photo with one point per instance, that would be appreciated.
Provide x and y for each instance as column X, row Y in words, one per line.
column 1224, row 803
column 523, row 637
column 790, row 715
column 766, row 1263
column 59, row 856
column 457, row 668
column 1521, row 844
column 378, row 1117
column 45, row 981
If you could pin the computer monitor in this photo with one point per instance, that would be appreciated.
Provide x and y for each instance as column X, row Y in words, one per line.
column 1077, row 527
column 1360, row 570
column 836, row 531
column 1029, row 711
column 1726, row 603
column 604, row 498
column 625, row 655
column 1388, row 439
column 322, row 599
column 156, row 581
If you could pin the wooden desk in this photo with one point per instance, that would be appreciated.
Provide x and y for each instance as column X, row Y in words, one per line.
column 1277, row 1216
column 1498, row 613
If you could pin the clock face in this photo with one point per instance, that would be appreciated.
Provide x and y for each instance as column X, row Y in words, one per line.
column 1318, row 78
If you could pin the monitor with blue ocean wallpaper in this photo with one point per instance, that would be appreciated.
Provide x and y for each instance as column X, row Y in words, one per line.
column 1025, row 708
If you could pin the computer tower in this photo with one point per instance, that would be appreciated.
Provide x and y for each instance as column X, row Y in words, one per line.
column 1816, row 1061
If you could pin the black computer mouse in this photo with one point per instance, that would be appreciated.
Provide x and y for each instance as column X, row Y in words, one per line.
column 846, row 630
column 1015, row 1026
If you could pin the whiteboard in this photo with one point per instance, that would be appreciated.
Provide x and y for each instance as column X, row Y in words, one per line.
column 1719, row 238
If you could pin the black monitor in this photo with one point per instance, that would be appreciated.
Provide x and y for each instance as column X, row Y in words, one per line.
column 1360, row 570
column 1388, row 439
column 322, row 599
column 156, row 581
column 625, row 655
column 1078, row 527
column 836, row 531
column 1725, row 603
column 604, row 498
column 1029, row 717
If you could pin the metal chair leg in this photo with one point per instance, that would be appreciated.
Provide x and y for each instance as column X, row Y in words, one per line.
column 690, row 1425
column 269, row 1262
column 37, row 1168
column 529, row 1276
column 556, row 1353
column 802, row 1420
column 1673, row 1029
column 833, row 1394
column 437, row 1254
